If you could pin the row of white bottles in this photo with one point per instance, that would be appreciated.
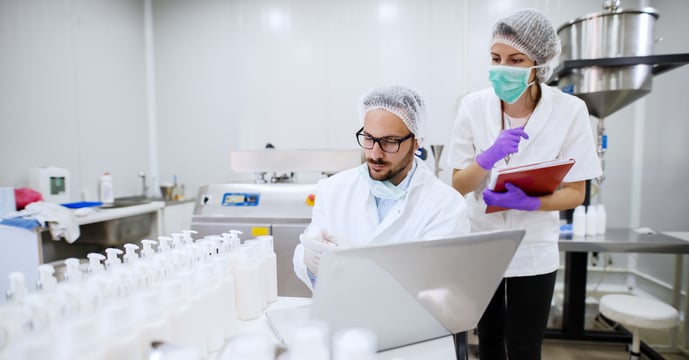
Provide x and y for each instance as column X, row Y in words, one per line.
column 184, row 293
column 589, row 221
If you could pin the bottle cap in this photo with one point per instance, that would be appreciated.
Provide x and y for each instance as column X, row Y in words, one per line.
column 94, row 262
column 147, row 251
column 17, row 289
column 72, row 272
column 187, row 235
column 112, row 259
column 130, row 255
column 164, row 243
column 46, row 280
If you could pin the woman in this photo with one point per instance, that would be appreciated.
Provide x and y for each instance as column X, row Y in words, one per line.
column 516, row 122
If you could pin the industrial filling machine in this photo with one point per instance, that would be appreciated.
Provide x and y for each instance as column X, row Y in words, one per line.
column 278, row 206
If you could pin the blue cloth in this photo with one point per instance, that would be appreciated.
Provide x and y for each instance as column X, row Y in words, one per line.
column 21, row 222
column 82, row 204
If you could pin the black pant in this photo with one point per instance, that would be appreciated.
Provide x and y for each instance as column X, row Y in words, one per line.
column 513, row 325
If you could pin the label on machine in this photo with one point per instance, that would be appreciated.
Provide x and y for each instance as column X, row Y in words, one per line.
column 240, row 199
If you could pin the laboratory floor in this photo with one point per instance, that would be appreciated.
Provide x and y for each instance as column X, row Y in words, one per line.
column 575, row 350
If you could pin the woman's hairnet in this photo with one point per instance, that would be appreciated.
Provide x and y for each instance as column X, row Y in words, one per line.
column 532, row 33
column 404, row 102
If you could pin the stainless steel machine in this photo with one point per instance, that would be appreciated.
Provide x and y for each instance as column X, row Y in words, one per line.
column 277, row 206
column 281, row 210
column 608, row 61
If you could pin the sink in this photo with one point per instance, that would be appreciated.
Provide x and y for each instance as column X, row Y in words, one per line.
column 128, row 201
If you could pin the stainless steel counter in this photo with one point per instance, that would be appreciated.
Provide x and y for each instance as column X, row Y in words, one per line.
column 625, row 240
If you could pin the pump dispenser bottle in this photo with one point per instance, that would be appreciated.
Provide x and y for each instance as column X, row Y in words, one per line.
column 105, row 189
column 248, row 289
column 579, row 221
column 270, row 263
column 591, row 217
column 601, row 221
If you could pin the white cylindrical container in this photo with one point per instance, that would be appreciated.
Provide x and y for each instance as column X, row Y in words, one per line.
column 248, row 347
column 247, row 287
column 310, row 342
column 179, row 310
column 122, row 338
column 215, row 334
column 579, row 221
column 72, row 344
column 601, row 221
column 591, row 217
column 223, row 269
column 270, row 264
column 198, row 321
column 153, row 319
column 105, row 190
column 355, row 344
column 32, row 346
column 259, row 258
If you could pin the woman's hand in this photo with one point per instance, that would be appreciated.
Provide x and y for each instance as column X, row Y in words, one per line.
column 513, row 198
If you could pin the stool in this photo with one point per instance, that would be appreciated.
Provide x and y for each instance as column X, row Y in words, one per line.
column 638, row 313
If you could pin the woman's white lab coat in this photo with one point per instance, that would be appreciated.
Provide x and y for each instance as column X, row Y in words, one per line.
column 346, row 208
column 559, row 128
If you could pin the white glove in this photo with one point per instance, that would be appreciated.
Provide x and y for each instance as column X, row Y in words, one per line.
column 341, row 241
column 314, row 247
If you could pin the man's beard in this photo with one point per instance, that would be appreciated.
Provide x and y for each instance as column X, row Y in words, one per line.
column 393, row 172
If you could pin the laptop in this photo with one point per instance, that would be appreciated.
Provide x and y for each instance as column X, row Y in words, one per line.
column 406, row 293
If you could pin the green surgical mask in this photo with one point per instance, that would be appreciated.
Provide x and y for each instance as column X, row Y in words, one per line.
column 382, row 189
column 510, row 82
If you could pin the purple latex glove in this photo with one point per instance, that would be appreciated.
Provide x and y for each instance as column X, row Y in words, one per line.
column 513, row 198
column 507, row 143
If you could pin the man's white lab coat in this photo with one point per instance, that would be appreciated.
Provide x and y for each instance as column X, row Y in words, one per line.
column 346, row 208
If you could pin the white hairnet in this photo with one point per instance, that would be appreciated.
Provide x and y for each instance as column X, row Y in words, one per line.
column 530, row 32
column 404, row 102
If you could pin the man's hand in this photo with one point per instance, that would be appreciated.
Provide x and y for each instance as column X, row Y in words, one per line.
column 315, row 245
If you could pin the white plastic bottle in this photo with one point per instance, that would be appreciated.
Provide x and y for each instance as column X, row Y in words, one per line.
column 122, row 334
column 270, row 263
column 310, row 342
column 249, row 346
column 354, row 344
column 591, row 217
column 601, row 221
column 227, row 310
column 105, row 191
column 247, row 286
column 579, row 221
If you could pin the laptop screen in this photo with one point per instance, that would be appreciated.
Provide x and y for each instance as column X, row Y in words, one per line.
column 413, row 292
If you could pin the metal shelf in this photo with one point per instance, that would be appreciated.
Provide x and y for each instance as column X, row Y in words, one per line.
column 661, row 64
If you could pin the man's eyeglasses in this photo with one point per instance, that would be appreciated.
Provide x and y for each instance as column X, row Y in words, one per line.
column 389, row 144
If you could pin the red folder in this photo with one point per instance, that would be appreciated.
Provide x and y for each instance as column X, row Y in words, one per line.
column 535, row 179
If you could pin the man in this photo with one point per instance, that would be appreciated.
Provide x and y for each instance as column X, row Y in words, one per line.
column 392, row 198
